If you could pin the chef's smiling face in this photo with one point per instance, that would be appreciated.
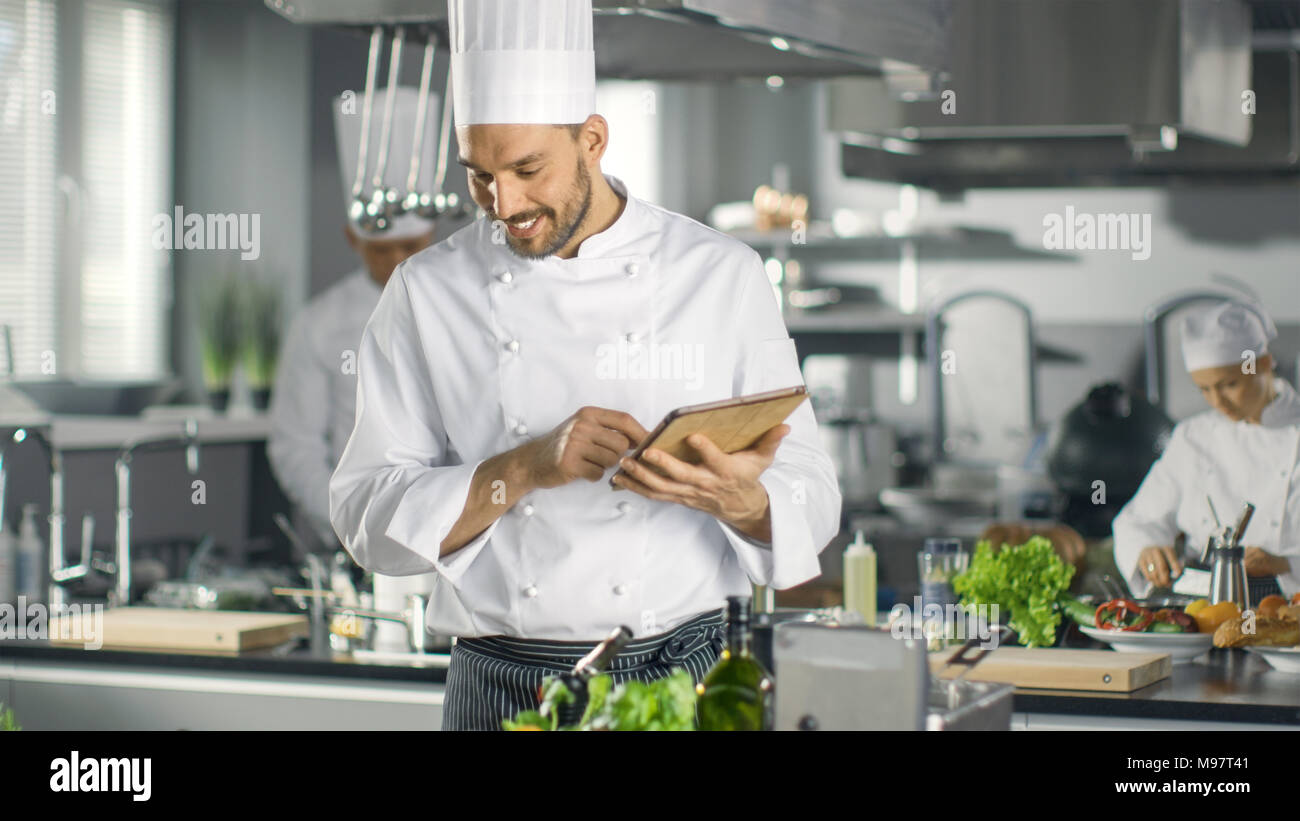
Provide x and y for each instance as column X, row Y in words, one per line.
column 1234, row 394
column 535, row 179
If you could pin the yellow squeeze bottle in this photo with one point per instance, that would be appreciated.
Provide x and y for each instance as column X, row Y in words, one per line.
column 860, row 579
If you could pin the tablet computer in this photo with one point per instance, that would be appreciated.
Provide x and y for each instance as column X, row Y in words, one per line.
column 731, row 424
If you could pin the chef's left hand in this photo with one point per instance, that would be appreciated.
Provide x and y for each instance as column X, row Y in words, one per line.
column 1259, row 562
column 724, row 485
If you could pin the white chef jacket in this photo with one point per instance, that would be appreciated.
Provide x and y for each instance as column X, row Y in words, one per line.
column 473, row 351
column 1232, row 462
column 314, row 404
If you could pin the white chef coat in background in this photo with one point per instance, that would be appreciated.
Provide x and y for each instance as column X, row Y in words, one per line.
column 314, row 404
column 473, row 351
column 1233, row 462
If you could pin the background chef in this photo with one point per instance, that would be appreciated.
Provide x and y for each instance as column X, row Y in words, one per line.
column 1246, row 448
column 487, row 429
column 314, row 403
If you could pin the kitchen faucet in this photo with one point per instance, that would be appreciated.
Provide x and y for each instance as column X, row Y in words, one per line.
column 60, row 574
column 189, row 440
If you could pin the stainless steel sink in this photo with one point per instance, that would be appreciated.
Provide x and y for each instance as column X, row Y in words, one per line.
column 95, row 398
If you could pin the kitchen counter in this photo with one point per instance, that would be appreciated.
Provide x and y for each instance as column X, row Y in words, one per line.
column 71, row 432
column 291, row 659
column 286, row 688
column 1226, row 689
column 1225, row 686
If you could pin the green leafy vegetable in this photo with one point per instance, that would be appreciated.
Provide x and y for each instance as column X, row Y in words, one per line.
column 664, row 704
column 7, row 720
column 1024, row 581
column 529, row 719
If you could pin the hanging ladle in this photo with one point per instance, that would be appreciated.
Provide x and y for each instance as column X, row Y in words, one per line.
column 357, row 210
column 385, row 204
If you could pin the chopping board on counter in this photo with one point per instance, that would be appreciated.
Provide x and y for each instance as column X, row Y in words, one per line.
column 1050, row 668
column 158, row 628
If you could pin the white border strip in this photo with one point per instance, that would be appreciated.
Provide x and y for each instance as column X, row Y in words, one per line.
column 431, row 694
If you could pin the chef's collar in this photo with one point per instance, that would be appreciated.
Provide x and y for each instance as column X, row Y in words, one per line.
column 1284, row 409
column 620, row 231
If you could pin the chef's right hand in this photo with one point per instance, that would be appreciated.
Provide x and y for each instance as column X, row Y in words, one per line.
column 583, row 446
column 1160, row 565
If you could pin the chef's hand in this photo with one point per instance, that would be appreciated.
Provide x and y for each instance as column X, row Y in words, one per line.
column 724, row 485
column 1160, row 565
column 1259, row 562
column 1066, row 541
column 583, row 446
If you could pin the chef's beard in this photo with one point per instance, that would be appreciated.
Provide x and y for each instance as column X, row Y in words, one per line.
column 562, row 230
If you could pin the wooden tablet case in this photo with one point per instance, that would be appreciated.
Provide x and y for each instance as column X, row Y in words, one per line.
column 731, row 424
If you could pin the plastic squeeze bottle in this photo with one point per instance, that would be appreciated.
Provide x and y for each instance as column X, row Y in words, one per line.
column 860, row 579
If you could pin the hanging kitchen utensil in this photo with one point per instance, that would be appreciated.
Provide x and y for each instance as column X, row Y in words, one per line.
column 384, row 202
column 414, row 201
column 441, row 203
column 357, row 210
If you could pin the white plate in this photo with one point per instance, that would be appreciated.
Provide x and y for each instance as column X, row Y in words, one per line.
column 1286, row 659
column 1183, row 647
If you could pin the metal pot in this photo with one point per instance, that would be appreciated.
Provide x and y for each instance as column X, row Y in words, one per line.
column 864, row 453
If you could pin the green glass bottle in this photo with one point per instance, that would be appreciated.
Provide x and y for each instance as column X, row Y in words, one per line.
column 737, row 693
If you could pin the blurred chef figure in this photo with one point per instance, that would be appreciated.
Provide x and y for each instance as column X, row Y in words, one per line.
column 1244, row 449
column 314, row 403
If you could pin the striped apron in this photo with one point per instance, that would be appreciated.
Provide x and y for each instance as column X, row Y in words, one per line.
column 496, row 677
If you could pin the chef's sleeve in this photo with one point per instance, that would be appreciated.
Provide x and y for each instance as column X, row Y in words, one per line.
column 400, row 486
column 1150, row 517
column 298, row 446
column 803, row 493
column 1290, row 581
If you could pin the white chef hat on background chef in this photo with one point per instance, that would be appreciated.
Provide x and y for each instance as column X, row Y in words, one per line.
column 522, row 61
column 1217, row 335
column 347, row 132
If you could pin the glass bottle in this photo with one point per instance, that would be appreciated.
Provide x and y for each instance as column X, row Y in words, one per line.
column 736, row 694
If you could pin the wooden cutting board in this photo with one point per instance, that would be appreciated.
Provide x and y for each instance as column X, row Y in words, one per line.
column 157, row 628
column 1049, row 668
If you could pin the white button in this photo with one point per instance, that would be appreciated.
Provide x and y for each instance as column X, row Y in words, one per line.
column 513, row 346
column 624, row 507
column 527, row 510
column 632, row 269
column 620, row 589
column 506, row 277
column 521, row 429
column 633, row 337
column 530, row 592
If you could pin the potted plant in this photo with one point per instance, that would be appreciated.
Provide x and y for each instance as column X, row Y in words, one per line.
column 220, row 337
column 261, row 337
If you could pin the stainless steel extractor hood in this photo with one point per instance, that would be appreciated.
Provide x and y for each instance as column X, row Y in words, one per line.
column 1086, row 92
column 713, row 39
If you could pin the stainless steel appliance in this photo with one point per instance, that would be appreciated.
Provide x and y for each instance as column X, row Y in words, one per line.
column 861, row 678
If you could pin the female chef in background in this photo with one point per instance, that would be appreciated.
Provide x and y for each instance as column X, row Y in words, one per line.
column 1244, row 449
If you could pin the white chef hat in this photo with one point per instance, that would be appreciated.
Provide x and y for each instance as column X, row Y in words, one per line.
column 522, row 61
column 347, row 131
column 1217, row 335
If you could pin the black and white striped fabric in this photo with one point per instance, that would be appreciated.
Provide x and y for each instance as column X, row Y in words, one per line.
column 496, row 677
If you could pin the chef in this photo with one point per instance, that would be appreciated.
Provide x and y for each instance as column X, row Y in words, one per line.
column 1246, row 448
column 507, row 371
column 314, row 402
